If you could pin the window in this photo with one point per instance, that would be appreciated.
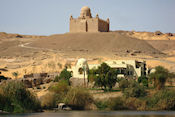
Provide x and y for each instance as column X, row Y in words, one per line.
column 80, row 70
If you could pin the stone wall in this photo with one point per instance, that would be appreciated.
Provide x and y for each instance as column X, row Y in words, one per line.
column 92, row 25
column 103, row 26
column 77, row 25
column 88, row 25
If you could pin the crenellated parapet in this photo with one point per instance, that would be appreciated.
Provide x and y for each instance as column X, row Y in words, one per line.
column 86, row 23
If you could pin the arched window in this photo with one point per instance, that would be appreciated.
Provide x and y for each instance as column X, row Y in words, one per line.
column 80, row 70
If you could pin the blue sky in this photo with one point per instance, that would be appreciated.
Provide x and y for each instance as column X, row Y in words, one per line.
column 46, row 17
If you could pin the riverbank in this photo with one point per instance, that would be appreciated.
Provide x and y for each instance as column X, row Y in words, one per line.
column 96, row 114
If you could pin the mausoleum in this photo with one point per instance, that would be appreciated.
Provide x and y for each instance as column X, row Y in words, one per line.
column 86, row 23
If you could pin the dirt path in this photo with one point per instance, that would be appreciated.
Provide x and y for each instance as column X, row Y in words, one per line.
column 26, row 45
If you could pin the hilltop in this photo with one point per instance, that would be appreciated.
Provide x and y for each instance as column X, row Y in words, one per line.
column 97, row 44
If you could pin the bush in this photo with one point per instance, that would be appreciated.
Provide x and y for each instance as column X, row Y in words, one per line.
column 134, row 90
column 159, row 77
column 64, row 75
column 78, row 98
column 92, row 75
column 56, row 78
column 116, row 104
column 61, row 87
column 60, row 90
column 162, row 100
column 48, row 101
column 135, row 104
column 17, row 98
column 123, row 83
column 143, row 80
column 101, row 105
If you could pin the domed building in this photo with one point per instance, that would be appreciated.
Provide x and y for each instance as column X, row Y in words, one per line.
column 80, row 69
column 86, row 23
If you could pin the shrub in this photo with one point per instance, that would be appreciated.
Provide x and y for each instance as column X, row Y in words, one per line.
column 133, row 103
column 101, row 105
column 64, row 75
column 18, row 98
column 143, row 80
column 61, row 87
column 78, row 98
column 58, row 93
column 56, row 78
column 159, row 77
column 92, row 75
column 134, row 90
column 123, row 83
column 116, row 104
column 48, row 101
column 162, row 100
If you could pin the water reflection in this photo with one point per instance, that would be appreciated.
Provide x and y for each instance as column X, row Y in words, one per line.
column 96, row 114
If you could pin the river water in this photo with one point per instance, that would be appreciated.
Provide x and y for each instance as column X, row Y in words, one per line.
column 96, row 114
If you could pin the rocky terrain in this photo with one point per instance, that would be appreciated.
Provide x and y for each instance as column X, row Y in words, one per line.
column 27, row 54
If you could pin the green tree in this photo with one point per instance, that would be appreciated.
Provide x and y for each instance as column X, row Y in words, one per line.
column 106, row 77
column 92, row 75
column 123, row 83
column 143, row 80
column 159, row 77
column 162, row 100
column 17, row 98
column 134, row 90
column 64, row 75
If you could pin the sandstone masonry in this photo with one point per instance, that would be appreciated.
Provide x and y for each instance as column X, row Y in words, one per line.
column 86, row 23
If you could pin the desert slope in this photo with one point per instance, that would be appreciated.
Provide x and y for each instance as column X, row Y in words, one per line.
column 102, row 44
column 27, row 54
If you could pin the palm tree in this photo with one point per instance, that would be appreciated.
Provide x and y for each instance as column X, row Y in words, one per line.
column 159, row 77
column 84, row 72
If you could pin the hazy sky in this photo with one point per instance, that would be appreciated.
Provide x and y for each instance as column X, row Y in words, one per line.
column 46, row 17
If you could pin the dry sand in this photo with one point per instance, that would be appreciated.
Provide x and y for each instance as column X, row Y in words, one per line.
column 45, row 53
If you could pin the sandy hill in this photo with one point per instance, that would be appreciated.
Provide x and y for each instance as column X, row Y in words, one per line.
column 27, row 54
column 157, row 35
column 4, row 35
column 111, row 43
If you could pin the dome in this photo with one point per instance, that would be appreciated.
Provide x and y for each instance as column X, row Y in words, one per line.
column 85, row 12
column 81, row 62
column 85, row 8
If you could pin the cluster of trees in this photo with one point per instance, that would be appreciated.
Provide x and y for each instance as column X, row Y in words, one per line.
column 106, row 77
column 61, row 91
column 14, row 97
column 64, row 75
column 136, row 94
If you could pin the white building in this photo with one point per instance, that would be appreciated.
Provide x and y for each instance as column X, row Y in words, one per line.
column 126, row 68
